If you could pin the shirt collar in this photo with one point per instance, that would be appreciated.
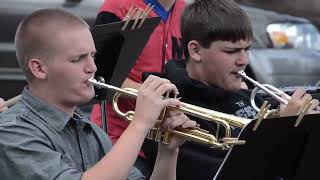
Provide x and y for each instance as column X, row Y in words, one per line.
column 159, row 9
column 50, row 114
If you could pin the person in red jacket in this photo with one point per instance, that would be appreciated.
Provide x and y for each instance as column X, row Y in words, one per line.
column 164, row 44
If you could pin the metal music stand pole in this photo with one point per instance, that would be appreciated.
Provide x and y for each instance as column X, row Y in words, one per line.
column 103, row 104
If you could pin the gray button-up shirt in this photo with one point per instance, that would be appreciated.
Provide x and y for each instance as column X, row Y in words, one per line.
column 38, row 141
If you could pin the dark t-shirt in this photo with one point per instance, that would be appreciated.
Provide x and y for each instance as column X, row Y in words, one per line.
column 197, row 161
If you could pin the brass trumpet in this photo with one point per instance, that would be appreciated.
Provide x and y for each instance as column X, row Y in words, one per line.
column 192, row 134
column 271, row 90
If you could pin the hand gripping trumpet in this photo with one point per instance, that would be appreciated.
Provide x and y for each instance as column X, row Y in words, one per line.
column 193, row 134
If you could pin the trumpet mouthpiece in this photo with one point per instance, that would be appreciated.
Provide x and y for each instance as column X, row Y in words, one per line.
column 242, row 73
column 92, row 80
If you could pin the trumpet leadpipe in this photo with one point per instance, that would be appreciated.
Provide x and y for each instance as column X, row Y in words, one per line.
column 107, row 86
column 271, row 90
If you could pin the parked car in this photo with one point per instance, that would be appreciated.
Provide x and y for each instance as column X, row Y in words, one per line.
column 285, row 50
column 277, row 58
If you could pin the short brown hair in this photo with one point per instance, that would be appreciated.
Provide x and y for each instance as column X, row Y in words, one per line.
column 211, row 20
column 36, row 31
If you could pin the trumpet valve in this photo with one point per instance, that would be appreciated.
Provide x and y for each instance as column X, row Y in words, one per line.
column 166, row 137
column 159, row 135
column 153, row 133
column 162, row 136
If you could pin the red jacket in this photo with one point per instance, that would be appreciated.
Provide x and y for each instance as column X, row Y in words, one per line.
column 163, row 45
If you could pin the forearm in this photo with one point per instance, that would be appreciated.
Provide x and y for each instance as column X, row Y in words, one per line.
column 166, row 164
column 118, row 163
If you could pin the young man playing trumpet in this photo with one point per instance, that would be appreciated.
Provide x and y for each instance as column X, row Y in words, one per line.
column 47, row 137
column 217, row 36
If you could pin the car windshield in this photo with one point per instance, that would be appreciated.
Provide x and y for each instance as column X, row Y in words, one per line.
column 294, row 35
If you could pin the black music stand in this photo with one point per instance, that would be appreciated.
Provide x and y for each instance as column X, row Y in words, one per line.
column 117, row 51
column 276, row 150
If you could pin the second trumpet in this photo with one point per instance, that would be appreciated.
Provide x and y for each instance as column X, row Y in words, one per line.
column 271, row 90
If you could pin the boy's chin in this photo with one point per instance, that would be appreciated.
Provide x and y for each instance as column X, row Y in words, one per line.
column 234, row 88
column 87, row 97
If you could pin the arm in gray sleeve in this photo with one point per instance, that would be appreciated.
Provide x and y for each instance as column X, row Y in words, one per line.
column 26, row 153
column 135, row 174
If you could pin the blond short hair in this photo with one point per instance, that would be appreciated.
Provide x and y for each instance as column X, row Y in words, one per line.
column 35, row 33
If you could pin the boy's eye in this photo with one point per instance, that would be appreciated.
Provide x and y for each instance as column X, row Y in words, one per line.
column 93, row 55
column 231, row 51
column 74, row 60
column 236, row 50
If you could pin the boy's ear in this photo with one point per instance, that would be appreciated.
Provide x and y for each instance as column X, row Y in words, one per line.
column 37, row 68
column 194, row 50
